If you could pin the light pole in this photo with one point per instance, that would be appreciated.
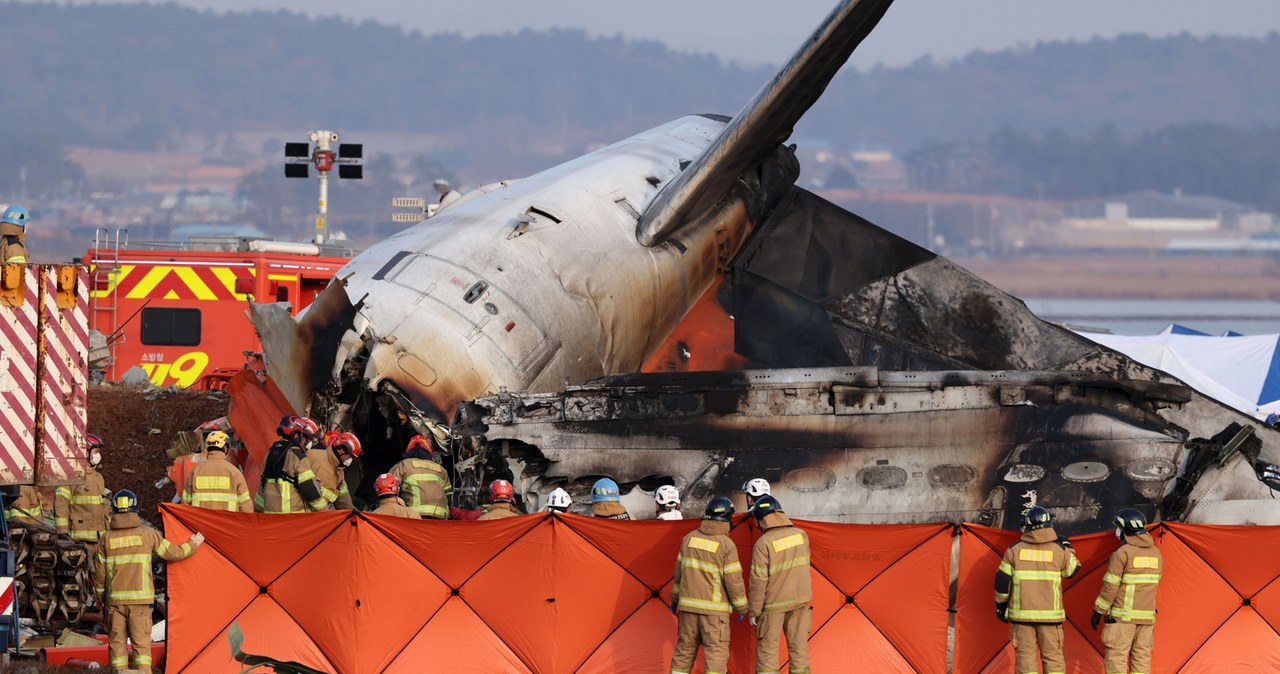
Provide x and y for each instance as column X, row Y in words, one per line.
column 299, row 157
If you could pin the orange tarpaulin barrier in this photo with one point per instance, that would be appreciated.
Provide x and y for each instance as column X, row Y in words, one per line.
column 352, row 592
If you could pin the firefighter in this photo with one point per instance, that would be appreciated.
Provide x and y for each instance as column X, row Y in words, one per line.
column 288, row 483
column 216, row 483
column 124, row 580
column 28, row 508
column 81, row 509
column 780, row 588
column 1127, row 600
column 558, row 501
column 424, row 484
column 329, row 461
column 389, row 502
column 13, row 234
column 1029, row 592
column 501, row 497
column 606, row 501
column 754, row 489
column 668, row 500
column 707, row 588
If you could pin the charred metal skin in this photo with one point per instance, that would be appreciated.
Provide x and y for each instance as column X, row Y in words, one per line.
column 854, row 444
column 974, row 408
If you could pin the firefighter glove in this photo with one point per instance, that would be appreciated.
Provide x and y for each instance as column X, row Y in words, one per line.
column 673, row 606
column 1002, row 611
column 1095, row 620
column 1064, row 542
column 741, row 617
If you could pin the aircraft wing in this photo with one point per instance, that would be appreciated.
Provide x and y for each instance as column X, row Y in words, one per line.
column 763, row 124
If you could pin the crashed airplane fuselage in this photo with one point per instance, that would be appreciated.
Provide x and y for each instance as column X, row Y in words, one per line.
column 517, row 290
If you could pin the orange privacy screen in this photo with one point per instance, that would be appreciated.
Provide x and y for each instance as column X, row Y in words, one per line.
column 354, row 593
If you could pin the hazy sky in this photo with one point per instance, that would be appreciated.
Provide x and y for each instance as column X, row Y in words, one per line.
column 760, row 31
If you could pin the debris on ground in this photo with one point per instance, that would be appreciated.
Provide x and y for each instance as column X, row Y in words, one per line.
column 139, row 424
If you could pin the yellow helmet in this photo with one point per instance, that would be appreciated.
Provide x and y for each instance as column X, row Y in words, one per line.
column 216, row 440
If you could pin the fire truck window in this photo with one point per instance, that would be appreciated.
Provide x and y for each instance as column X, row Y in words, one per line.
column 171, row 327
column 282, row 293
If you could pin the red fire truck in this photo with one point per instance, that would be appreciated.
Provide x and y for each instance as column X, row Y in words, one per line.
column 179, row 311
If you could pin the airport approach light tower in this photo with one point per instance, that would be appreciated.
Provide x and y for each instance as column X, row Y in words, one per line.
column 349, row 159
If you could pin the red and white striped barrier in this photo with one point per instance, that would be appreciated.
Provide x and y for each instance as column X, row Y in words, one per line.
column 44, row 345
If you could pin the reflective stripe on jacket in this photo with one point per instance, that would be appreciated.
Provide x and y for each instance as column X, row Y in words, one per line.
column 395, row 507
column 424, row 486
column 295, row 490
column 779, row 567
column 28, row 505
column 331, row 478
column 217, row 484
column 123, row 573
column 1030, row 577
column 1128, row 591
column 708, row 576
column 81, row 509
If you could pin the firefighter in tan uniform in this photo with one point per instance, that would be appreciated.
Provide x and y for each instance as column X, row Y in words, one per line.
column 80, row 510
column 1127, row 600
column 424, row 485
column 13, row 234
column 780, row 588
column 1029, row 593
column 28, row 508
column 606, row 500
column 329, row 462
column 288, row 482
column 216, row 483
column 389, row 501
column 501, row 496
column 707, row 588
column 124, row 581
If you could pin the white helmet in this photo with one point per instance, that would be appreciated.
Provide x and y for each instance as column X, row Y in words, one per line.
column 756, row 487
column 558, row 500
column 667, row 495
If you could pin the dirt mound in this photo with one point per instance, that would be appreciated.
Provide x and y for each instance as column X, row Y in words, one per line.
column 139, row 424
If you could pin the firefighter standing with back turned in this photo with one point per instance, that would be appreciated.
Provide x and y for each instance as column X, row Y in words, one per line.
column 1029, row 593
column 288, row 483
column 124, row 581
column 1127, row 600
column 216, row 483
column 780, row 589
column 329, row 462
column 424, row 484
column 707, row 588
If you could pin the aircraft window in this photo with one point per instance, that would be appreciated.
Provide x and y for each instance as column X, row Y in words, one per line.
column 171, row 327
column 1086, row 471
column 475, row 292
column 882, row 477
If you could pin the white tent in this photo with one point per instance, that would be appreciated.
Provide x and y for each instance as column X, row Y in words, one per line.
column 1242, row 371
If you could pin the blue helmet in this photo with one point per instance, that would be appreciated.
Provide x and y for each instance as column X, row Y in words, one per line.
column 605, row 490
column 15, row 215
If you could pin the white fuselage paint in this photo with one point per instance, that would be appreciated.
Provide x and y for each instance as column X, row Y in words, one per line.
column 562, row 301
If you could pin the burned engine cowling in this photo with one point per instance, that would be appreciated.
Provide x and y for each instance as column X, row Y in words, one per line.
column 853, row 444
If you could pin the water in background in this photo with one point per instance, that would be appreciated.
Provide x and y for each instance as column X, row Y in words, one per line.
column 1147, row 317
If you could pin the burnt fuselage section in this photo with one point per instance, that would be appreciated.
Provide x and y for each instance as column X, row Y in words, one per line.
column 852, row 444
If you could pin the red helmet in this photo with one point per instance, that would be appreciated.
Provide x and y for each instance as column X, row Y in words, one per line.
column 386, row 484
column 329, row 438
column 92, row 441
column 296, row 425
column 419, row 441
column 501, row 491
column 347, row 442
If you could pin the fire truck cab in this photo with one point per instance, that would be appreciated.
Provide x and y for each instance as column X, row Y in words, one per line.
column 179, row 310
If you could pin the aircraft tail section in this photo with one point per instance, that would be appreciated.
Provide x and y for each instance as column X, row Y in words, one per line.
column 764, row 123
